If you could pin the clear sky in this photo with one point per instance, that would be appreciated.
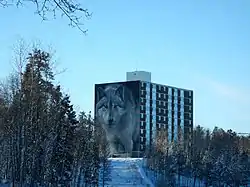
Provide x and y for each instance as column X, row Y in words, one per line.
column 199, row 45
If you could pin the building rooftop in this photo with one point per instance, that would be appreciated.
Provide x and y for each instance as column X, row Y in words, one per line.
column 138, row 76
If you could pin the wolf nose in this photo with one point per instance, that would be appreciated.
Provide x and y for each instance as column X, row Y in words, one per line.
column 110, row 121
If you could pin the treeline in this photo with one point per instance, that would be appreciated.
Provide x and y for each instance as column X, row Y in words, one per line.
column 217, row 158
column 42, row 141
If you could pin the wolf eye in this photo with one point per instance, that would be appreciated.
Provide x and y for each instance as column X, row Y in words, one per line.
column 116, row 106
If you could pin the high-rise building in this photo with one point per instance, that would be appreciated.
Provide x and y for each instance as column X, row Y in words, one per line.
column 132, row 112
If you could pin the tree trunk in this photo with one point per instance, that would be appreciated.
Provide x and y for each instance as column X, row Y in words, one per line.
column 103, row 177
column 194, row 181
column 179, row 179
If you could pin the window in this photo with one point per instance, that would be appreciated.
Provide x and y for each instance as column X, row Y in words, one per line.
column 182, row 115
column 164, row 95
column 153, row 117
column 142, row 107
column 190, row 108
column 169, row 121
column 159, row 95
column 175, row 121
column 169, row 115
column 175, row 107
column 182, row 109
column 182, row 93
column 169, row 99
column 164, row 103
column 164, row 118
column 175, row 115
column 141, row 131
column 169, row 107
column 142, row 124
column 154, row 87
column 141, row 147
column 175, row 92
column 154, row 96
column 164, row 88
column 190, row 115
column 169, row 91
column 159, row 118
column 189, row 101
column 154, row 107
column 175, row 101
column 142, row 115
column 190, row 122
column 189, row 93
column 182, row 101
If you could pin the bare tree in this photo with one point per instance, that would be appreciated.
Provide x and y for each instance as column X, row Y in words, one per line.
column 73, row 10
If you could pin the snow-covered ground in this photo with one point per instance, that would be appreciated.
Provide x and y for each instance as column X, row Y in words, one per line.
column 184, row 181
column 128, row 172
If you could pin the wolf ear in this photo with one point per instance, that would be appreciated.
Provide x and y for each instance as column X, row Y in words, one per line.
column 121, row 92
column 100, row 93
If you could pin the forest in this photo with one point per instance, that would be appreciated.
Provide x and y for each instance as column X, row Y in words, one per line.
column 216, row 158
column 44, row 142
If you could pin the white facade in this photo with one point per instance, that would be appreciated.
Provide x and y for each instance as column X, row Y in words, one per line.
column 139, row 75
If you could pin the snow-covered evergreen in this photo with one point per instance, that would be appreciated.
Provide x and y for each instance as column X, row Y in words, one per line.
column 216, row 159
column 42, row 142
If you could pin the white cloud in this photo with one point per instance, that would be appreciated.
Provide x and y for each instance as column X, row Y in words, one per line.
column 227, row 103
column 230, row 92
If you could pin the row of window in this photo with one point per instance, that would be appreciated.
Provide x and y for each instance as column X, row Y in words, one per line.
column 164, row 125
column 175, row 116
column 181, row 116
column 164, row 95
column 163, row 110
column 170, row 107
column 165, row 89
column 170, row 100
column 168, row 119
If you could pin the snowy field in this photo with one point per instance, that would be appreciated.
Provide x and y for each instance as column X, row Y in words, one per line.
column 128, row 172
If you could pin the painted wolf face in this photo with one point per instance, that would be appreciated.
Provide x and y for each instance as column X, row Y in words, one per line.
column 111, row 105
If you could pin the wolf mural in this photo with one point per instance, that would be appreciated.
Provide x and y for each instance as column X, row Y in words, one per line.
column 117, row 112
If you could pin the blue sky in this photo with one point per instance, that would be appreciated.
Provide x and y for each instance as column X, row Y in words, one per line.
column 199, row 45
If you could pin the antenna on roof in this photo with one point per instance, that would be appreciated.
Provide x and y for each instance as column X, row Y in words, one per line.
column 136, row 65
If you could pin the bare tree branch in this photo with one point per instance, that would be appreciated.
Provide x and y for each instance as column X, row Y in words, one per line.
column 74, row 12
